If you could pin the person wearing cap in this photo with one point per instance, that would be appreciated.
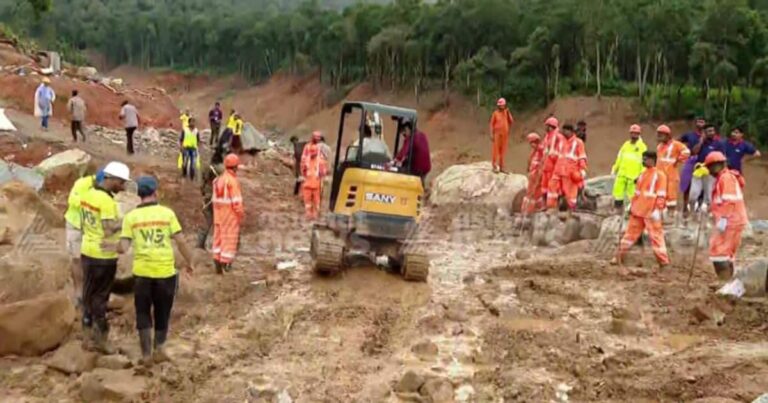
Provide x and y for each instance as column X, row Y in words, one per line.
column 150, row 229
column 533, row 201
column 691, row 139
column 314, row 169
column 73, row 229
column 99, row 217
column 552, row 139
column 419, row 161
column 228, row 215
column 45, row 96
column 700, row 194
column 729, row 213
column 570, row 170
column 501, row 123
column 670, row 155
column 628, row 166
column 189, row 140
column 648, row 202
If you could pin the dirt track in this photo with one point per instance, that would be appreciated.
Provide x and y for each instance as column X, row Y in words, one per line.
column 537, row 328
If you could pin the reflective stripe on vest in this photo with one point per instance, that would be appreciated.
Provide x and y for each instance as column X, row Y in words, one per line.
column 190, row 138
column 668, row 157
column 733, row 197
column 652, row 192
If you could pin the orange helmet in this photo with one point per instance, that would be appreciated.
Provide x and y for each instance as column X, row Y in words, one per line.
column 532, row 137
column 635, row 129
column 714, row 157
column 552, row 121
column 664, row 129
column 501, row 102
column 231, row 161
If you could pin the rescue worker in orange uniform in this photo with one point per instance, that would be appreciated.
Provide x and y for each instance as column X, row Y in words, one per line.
column 501, row 123
column 570, row 170
column 671, row 154
column 533, row 200
column 551, row 140
column 228, row 214
column 729, row 213
column 646, row 206
column 314, row 169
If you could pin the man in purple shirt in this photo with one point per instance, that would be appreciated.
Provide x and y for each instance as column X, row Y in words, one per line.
column 421, row 162
column 701, row 186
column 690, row 139
column 736, row 149
column 214, row 117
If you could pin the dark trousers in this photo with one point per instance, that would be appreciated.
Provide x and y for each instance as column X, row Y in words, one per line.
column 129, row 139
column 189, row 158
column 99, row 274
column 296, row 187
column 215, row 129
column 77, row 126
column 153, row 297
column 206, row 229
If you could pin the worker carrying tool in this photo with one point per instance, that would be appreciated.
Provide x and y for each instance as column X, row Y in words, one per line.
column 646, row 206
column 149, row 229
column 314, row 168
column 501, row 123
column 228, row 215
column 552, row 138
column 189, row 140
column 729, row 213
column 533, row 200
column 570, row 170
column 671, row 154
column 628, row 166
column 100, row 222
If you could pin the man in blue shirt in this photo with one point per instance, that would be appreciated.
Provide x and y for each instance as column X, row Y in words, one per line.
column 736, row 149
column 690, row 139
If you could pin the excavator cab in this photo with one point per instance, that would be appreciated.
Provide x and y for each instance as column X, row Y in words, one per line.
column 374, row 202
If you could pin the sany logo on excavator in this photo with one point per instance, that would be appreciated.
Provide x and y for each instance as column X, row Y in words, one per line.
column 380, row 198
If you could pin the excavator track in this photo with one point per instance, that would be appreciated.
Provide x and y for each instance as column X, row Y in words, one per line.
column 415, row 266
column 327, row 252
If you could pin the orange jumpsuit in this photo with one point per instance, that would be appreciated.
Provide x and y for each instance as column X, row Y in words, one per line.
column 501, row 122
column 228, row 214
column 313, row 168
column 728, row 204
column 551, row 141
column 670, row 155
column 567, row 177
column 650, row 195
column 533, row 200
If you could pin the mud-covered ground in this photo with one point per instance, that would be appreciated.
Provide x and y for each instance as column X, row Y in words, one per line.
column 498, row 319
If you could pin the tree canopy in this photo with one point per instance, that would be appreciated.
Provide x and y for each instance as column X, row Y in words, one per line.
column 663, row 51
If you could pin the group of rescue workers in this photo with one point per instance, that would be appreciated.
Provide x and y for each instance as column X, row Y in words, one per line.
column 97, row 235
column 650, row 180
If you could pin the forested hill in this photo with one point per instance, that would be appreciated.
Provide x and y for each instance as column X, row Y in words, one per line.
column 677, row 55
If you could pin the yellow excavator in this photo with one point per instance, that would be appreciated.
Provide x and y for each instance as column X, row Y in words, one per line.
column 374, row 204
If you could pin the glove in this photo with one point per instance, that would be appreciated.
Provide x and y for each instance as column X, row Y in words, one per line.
column 722, row 223
column 656, row 215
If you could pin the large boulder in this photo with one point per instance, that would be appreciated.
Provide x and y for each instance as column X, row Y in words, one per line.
column 73, row 160
column 34, row 326
column 600, row 185
column 253, row 139
column 22, row 204
column 88, row 72
column 72, row 359
column 477, row 184
column 10, row 172
column 33, row 271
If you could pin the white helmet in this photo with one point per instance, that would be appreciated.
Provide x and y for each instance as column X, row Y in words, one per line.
column 118, row 170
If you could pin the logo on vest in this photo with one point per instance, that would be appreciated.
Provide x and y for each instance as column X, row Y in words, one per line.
column 380, row 198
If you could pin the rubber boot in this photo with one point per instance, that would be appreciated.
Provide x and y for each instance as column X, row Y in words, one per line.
column 618, row 205
column 145, row 341
column 101, row 341
column 219, row 267
column 159, row 354
column 201, row 238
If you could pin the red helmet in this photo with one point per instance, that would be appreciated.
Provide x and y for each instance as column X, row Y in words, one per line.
column 501, row 102
column 635, row 129
column 231, row 161
column 664, row 129
column 552, row 121
column 532, row 137
column 714, row 157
